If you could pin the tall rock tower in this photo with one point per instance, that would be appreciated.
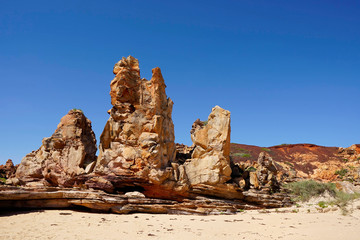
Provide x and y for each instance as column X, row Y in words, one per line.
column 139, row 137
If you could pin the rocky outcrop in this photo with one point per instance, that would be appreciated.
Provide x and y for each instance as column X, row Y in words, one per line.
column 8, row 170
column 137, row 148
column 138, row 162
column 138, row 138
column 210, row 160
column 305, row 161
column 69, row 152
column 131, row 202
column 349, row 170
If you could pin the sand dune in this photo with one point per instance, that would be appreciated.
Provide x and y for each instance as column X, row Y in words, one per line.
column 295, row 223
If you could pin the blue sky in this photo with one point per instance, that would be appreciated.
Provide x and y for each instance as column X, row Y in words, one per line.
column 289, row 71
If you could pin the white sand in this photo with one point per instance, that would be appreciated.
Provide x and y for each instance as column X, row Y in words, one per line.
column 67, row 224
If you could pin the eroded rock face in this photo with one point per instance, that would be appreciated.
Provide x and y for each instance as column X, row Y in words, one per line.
column 210, row 160
column 138, row 138
column 8, row 170
column 70, row 151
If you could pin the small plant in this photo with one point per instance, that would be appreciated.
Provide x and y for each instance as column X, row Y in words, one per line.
column 240, row 210
column 265, row 150
column 205, row 122
column 289, row 163
column 298, row 205
column 323, row 204
column 243, row 155
column 295, row 211
column 3, row 180
column 345, row 160
column 342, row 172
column 242, row 150
column 76, row 109
column 250, row 169
column 246, row 155
column 236, row 154
column 351, row 167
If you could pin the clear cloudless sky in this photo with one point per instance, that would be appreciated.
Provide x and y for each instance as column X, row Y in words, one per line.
column 289, row 71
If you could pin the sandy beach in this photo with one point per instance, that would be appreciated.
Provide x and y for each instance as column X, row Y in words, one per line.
column 305, row 222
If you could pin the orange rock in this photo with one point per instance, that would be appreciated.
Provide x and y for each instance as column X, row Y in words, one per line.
column 63, row 155
column 139, row 135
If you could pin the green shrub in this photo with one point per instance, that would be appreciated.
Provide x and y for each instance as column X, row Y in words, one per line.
column 242, row 150
column 342, row 200
column 289, row 163
column 304, row 190
column 345, row 160
column 351, row 167
column 76, row 109
column 323, row 204
column 250, row 169
column 265, row 150
column 342, row 172
column 244, row 155
column 2, row 179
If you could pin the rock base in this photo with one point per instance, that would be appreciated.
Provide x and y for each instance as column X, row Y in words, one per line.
column 134, row 202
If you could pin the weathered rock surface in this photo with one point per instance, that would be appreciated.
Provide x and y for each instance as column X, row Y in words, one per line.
column 11, row 197
column 138, row 139
column 8, row 170
column 69, row 152
column 210, row 160
column 183, row 152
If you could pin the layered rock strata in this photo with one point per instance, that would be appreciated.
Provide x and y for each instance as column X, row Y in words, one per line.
column 69, row 152
column 132, row 202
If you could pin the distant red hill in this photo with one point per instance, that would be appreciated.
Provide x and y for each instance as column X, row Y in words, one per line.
column 309, row 160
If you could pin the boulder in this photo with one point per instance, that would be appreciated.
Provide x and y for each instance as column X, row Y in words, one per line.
column 134, row 194
column 210, row 160
column 64, row 155
column 138, row 138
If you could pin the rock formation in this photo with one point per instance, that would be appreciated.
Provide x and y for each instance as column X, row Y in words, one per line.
column 210, row 160
column 137, row 144
column 265, row 175
column 138, row 138
column 8, row 170
column 138, row 162
column 131, row 202
column 69, row 152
